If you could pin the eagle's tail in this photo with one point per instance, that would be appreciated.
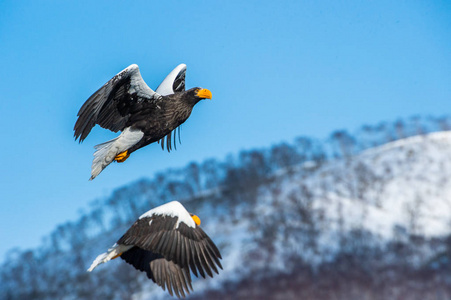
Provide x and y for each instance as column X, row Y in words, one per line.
column 112, row 253
column 106, row 152
column 104, row 155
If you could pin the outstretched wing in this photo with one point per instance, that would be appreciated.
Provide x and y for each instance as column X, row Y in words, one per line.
column 163, row 272
column 189, row 247
column 110, row 106
column 173, row 83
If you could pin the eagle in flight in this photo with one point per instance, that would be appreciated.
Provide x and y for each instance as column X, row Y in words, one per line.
column 166, row 243
column 127, row 104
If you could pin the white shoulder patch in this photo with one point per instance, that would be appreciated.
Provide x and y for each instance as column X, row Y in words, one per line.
column 172, row 209
column 137, row 83
column 165, row 87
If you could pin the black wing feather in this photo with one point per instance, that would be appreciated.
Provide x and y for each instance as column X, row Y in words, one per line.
column 188, row 247
column 163, row 272
column 111, row 105
column 179, row 82
column 141, row 259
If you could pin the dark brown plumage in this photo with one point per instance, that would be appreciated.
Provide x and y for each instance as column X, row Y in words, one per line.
column 166, row 243
column 127, row 104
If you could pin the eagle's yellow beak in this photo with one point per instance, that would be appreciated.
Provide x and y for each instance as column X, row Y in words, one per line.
column 204, row 93
column 196, row 219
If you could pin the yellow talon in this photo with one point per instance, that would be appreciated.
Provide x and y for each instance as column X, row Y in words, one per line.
column 121, row 157
column 117, row 255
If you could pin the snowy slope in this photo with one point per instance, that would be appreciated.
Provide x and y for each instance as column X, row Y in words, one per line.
column 267, row 216
column 404, row 183
column 403, row 186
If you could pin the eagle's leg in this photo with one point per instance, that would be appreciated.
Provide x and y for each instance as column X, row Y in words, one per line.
column 121, row 157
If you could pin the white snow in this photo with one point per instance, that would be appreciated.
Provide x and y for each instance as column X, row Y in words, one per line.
column 396, row 180
column 401, row 186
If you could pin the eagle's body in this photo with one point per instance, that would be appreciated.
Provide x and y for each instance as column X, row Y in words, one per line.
column 166, row 243
column 159, row 118
column 125, row 103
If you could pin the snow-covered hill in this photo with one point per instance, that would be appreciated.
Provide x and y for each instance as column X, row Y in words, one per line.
column 391, row 195
column 288, row 216
column 385, row 194
column 405, row 183
column 400, row 189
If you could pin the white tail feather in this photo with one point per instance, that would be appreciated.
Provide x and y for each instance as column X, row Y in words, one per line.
column 107, row 256
column 106, row 152
column 99, row 260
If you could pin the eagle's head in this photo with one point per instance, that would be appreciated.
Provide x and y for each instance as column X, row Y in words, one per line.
column 196, row 94
column 202, row 93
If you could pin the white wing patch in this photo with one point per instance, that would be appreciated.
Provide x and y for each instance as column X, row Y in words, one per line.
column 165, row 87
column 172, row 209
column 138, row 85
column 106, row 152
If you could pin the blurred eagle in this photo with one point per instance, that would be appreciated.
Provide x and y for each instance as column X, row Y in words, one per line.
column 166, row 242
column 127, row 104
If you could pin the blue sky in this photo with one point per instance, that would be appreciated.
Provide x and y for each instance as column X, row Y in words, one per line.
column 277, row 70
